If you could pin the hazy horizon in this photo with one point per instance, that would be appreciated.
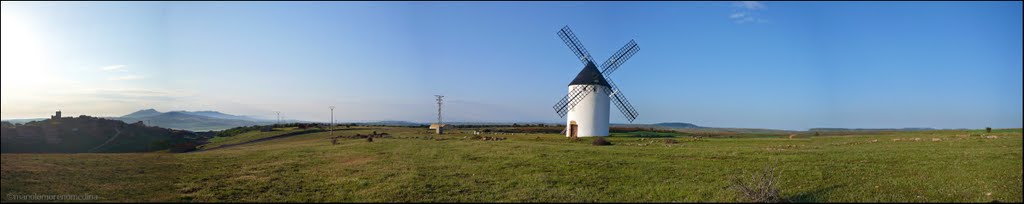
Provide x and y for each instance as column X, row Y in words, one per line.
column 775, row 65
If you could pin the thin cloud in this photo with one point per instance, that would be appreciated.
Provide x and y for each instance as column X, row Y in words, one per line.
column 737, row 15
column 750, row 5
column 747, row 12
column 112, row 68
column 132, row 95
column 125, row 78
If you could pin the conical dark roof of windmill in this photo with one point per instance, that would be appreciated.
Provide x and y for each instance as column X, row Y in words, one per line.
column 590, row 76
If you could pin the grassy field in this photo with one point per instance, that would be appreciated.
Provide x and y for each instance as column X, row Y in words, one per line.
column 931, row 166
column 218, row 142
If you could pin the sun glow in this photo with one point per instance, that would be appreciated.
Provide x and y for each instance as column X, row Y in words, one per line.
column 22, row 53
column 24, row 73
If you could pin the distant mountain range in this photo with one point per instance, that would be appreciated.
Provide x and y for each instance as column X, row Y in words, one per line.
column 23, row 121
column 677, row 125
column 193, row 121
column 866, row 129
column 213, row 120
column 689, row 127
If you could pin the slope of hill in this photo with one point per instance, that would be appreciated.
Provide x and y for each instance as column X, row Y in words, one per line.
column 142, row 113
column 90, row 134
column 23, row 121
column 692, row 128
column 392, row 123
column 215, row 114
column 677, row 125
column 867, row 129
column 193, row 121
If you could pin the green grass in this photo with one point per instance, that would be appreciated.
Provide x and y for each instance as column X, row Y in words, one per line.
column 125, row 177
column 541, row 167
column 647, row 134
column 247, row 137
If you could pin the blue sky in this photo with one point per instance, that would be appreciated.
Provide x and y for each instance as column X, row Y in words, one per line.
column 785, row 65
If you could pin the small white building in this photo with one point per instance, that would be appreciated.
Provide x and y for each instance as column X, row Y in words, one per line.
column 439, row 128
column 589, row 118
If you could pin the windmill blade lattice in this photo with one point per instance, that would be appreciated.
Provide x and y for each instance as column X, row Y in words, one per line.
column 619, row 57
column 570, row 100
column 574, row 44
column 619, row 99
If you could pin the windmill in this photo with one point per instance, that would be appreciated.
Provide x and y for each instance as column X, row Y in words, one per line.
column 587, row 104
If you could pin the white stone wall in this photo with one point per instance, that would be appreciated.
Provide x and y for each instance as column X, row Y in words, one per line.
column 591, row 113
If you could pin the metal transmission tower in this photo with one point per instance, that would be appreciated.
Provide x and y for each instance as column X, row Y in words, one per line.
column 440, row 100
column 440, row 125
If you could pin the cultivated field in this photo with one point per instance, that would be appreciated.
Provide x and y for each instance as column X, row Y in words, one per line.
column 929, row 166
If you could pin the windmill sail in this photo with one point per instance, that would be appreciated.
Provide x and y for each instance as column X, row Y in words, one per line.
column 591, row 78
column 619, row 57
column 619, row 99
column 574, row 44
column 570, row 100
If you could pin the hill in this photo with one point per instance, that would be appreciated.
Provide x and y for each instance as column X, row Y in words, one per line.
column 142, row 114
column 677, row 125
column 215, row 114
column 193, row 121
column 692, row 128
column 866, row 129
column 90, row 134
column 23, row 121
column 392, row 123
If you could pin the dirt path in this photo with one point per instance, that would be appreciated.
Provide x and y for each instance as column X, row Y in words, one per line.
column 108, row 140
column 262, row 140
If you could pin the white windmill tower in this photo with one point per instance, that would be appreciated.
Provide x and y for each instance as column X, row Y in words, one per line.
column 590, row 93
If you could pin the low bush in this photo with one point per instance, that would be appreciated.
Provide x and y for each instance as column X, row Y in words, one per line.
column 761, row 188
column 600, row 141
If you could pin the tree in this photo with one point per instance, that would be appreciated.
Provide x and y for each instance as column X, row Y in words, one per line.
column 988, row 129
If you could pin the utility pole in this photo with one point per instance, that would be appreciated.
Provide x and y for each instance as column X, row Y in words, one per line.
column 332, row 121
column 278, row 117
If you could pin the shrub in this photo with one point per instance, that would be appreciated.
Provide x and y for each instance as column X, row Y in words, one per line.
column 600, row 141
column 761, row 188
column 988, row 129
column 183, row 147
column 237, row 131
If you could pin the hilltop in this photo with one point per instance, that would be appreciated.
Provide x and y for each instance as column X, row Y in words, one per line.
column 193, row 121
column 91, row 134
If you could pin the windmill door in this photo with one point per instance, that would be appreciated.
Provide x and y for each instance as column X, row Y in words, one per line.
column 573, row 129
